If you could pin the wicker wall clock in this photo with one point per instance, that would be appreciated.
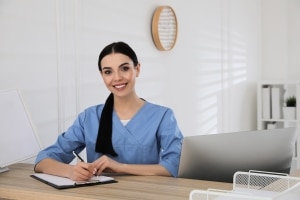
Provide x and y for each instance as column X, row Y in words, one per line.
column 164, row 28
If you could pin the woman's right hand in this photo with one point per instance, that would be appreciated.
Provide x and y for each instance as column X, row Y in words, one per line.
column 82, row 171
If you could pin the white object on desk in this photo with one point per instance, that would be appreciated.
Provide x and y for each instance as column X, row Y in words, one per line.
column 255, row 185
column 18, row 139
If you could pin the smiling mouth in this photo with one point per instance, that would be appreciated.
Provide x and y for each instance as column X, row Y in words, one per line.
column 120, row 86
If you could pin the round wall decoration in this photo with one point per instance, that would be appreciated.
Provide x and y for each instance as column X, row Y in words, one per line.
column 164, row 28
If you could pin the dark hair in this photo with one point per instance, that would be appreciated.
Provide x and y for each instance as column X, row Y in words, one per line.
column 104, row 143
column 118, row 47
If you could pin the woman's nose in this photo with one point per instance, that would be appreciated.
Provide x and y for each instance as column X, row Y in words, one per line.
column 118, row 76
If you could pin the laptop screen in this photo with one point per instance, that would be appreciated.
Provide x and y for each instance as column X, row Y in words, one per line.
column 217, row 157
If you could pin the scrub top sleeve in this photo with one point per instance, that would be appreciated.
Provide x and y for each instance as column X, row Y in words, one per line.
column 170, row 138
column 71, row 140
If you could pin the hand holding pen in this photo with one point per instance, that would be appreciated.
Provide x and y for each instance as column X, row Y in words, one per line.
column 83, row 170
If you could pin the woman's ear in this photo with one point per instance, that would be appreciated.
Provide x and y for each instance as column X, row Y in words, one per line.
column 138, row 68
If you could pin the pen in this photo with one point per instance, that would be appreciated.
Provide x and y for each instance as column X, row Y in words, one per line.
column 77, row 156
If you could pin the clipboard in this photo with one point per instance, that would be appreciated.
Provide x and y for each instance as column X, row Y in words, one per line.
column 65, row 183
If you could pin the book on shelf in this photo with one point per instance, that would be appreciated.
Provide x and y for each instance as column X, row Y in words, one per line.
column 266, row 102
column 276, row 102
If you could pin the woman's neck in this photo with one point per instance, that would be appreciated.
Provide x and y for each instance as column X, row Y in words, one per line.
column 127, row 107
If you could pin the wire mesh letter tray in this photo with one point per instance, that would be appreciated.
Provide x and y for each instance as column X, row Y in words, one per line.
column 254, row 185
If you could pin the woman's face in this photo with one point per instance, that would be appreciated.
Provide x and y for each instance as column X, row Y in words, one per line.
column 119, row 73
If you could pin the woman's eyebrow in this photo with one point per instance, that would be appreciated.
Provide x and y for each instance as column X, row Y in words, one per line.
column 126, row 63
column 121, row 65
column 106, row 68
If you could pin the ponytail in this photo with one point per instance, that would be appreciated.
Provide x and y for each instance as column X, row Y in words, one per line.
column 104, row 143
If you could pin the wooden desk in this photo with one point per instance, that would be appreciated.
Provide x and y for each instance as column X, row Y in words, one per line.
column 17, row 184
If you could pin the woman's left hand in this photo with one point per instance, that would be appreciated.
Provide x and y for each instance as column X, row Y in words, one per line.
column 106, row 164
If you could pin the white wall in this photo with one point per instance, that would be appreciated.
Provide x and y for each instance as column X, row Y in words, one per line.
column 49, row 50
column 281, row 41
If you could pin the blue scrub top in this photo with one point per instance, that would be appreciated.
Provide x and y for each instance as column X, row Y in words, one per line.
column 152, row 136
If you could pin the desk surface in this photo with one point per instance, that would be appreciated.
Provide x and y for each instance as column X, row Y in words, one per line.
column 17, row 184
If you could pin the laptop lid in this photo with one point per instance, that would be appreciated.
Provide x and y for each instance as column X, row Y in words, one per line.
column 217, row 157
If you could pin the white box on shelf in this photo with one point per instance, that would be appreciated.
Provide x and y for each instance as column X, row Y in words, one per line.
column 272, row 125
column 266, row 102
column 276, row 102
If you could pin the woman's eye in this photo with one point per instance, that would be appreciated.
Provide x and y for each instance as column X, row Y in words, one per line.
column 107, row 72
column 125, row 68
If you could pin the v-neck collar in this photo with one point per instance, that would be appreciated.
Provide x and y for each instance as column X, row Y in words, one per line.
column 133, row 117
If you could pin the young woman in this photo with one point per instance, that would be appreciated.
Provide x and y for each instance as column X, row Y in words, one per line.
column 125, row 135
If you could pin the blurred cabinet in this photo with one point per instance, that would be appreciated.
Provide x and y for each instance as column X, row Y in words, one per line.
column 271, row 97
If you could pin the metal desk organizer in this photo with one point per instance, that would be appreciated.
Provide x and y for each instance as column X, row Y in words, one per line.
column 255, row 185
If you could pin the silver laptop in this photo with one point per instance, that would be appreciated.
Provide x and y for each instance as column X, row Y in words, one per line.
column 217, row 157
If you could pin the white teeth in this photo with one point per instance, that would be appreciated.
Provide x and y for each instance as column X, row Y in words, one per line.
column 119, row 86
